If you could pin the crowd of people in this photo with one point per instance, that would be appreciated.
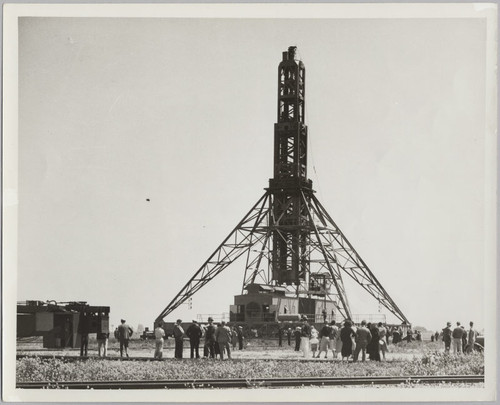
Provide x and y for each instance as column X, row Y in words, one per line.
column 461, row 340
column 218, row 339
column 346, row 340
column 369, row 339
column 340, row 339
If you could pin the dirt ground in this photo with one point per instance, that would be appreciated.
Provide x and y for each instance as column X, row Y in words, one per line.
column 254, row 349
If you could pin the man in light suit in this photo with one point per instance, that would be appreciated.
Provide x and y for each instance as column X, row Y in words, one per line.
column 363, row 337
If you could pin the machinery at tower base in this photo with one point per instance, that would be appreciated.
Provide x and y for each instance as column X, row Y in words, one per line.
column 265, row 303
column 296, row 255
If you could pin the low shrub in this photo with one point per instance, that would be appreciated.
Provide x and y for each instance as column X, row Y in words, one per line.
column 56, row 370
column 439, row 363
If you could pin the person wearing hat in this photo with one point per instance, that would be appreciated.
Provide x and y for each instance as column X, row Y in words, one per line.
column 178, row 335
column 223, row 337
column 346, row 337
column 194, row 334
column 209, row 347
column 363, row 338
column 239, row 332
column 457, row 334
column 447, row 332
column 124, row 334
column 83, row 331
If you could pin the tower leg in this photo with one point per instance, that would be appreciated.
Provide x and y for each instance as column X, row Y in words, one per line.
column 348, row 260
column 249, row 231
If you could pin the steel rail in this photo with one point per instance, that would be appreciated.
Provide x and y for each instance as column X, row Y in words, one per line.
column 252, row 382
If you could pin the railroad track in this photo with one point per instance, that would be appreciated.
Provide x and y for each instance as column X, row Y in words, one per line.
column 252, row 383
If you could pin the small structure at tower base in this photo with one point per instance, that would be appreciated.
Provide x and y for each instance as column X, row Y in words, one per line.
column 266, row 303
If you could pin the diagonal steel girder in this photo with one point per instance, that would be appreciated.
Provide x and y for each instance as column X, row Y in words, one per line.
column 351, row 263
column 255, row 263
column 242, row 238
column 344, row 308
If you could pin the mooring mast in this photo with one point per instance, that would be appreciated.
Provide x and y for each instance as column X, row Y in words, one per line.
column 292, row 245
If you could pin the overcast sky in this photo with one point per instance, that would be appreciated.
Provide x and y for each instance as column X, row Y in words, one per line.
column 113, row 112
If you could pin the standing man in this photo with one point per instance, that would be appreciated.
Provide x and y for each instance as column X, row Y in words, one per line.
column 447, row 337
column 234, row 337
column 305, row 336
column 471, row 338
column 457, row 339
column 223, row 337
column 396, row 335
column 194, row 334
column 159, row 335
column 178, row 335
column 280, row 335
column 83, row 330
column 324, row 342
column 210, row 338
column 102, row 343
column 124, row 334
column 464, row 339
column 363, row 337
column 239, row 332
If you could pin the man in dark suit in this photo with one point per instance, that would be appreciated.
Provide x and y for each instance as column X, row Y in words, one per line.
column 83, row 330
column 178, row 335
column 210, row 338
column 194, row 335
column 447, row 337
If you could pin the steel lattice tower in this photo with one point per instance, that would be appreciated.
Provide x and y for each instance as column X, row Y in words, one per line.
column 287, row 237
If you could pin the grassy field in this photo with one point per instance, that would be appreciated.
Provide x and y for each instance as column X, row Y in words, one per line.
column 259, row 359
